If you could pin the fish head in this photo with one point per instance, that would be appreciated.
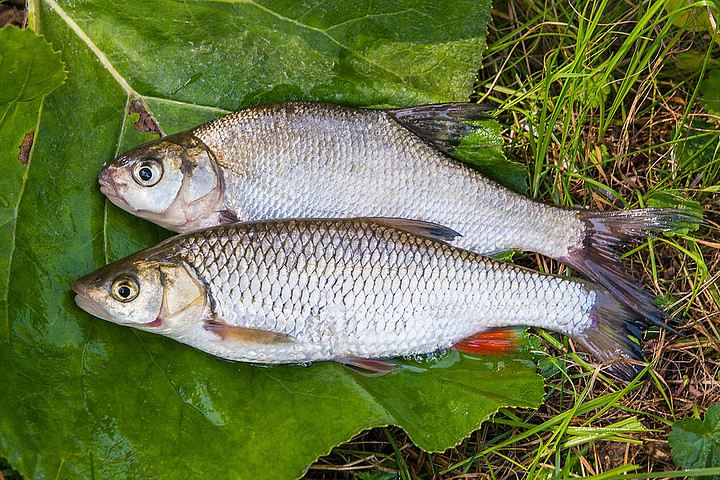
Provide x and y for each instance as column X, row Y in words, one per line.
column 155, row 296
column 174, row 181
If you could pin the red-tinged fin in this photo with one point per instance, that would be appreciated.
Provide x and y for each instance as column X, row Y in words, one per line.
column 244, row 334
column 371, row 365
column 599, row 260
column 499, row 341
column 615, row 335
column 433, row 231
column 441, row 125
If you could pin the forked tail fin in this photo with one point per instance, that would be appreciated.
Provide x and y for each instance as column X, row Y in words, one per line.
column 599, row 260
column 615, row 334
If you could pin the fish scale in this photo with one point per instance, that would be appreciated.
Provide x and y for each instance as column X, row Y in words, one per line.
column 368, row 290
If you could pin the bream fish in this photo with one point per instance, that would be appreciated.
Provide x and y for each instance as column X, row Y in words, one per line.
column 320, row 160
column 291, row 291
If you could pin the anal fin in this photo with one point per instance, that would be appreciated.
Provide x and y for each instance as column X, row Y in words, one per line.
column 498, row 341
column 245, row 334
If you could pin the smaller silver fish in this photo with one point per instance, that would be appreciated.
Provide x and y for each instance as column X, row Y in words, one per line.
column 347, row 290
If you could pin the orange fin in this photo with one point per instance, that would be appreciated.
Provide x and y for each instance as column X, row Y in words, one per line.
column 498, row 341
column 245, row 334
column 372, row 365
column 433, row 231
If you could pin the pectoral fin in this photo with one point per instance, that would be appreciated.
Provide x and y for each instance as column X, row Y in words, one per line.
column 245, row 334
column 227, row 217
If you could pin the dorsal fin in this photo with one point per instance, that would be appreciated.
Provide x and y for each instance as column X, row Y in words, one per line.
column 442, row 125
column 433, row 231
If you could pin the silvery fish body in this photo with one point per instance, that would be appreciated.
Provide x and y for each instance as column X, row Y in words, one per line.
column 306, row 159
column 313, row 160
column 292, row 291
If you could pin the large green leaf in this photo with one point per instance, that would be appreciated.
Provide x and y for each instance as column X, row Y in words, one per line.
column 29, row 70
column 84, row 398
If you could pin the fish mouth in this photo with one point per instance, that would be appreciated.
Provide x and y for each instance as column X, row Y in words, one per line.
column 91, row 307
column 109, row 188
column 86, row 302
column 107, row 185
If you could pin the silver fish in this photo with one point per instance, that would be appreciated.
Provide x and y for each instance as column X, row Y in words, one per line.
column 290, row 291
column 319, row 160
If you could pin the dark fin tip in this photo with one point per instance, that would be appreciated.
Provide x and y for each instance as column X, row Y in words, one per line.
column 433, row 231
column 441, row 125
column 365, row 365
column 599, row 260
column 227, row 217
column 615, row 336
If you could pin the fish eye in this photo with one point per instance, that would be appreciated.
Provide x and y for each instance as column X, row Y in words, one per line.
column 125, row 289
column 148, row 172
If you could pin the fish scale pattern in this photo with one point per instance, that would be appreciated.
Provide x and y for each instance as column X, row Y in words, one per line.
column 355, row 288
column 327, row 161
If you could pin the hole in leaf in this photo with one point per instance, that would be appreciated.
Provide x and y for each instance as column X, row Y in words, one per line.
column 147, row 123
column 25, row 148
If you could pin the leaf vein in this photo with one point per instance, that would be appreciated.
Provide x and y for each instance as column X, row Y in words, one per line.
column 13, row 219
column 95, row 49
column 167, row 377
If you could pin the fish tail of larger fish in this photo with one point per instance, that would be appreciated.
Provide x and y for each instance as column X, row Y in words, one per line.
column 598, row 259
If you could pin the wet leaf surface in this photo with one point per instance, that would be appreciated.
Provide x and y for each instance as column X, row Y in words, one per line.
column 85, row 398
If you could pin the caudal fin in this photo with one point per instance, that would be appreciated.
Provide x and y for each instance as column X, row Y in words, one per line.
column 599, row 260
column 615, row 334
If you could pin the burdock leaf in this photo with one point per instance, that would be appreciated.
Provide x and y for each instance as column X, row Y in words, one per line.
column 85, row 398
column 695, row 443
column 29, row 70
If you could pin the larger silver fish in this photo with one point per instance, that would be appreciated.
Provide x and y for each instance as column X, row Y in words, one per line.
column 307, row 290
column 319, row 160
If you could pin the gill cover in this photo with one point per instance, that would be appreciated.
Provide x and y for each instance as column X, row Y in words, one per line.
column 184, row 297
